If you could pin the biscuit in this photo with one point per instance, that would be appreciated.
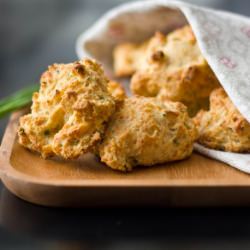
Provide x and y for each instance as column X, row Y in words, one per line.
column 144, row 131
column 173, row 68
column 223, row 127
column 69, row 112
column 127, row 58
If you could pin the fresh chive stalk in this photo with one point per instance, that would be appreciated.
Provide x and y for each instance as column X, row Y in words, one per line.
column 18, row 100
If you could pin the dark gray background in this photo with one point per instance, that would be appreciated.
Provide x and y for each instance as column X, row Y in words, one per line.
column 36, row 33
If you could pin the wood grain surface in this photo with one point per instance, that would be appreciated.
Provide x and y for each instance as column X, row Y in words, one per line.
column 197, row 181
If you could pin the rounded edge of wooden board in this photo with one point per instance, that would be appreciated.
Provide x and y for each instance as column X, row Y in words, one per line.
column 105, row 196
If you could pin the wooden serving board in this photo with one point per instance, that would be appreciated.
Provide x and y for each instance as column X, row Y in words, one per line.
column 197, row 181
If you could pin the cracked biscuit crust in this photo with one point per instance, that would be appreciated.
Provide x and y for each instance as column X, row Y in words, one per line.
column 69, row 112
column 144, row 131
column 223, row 127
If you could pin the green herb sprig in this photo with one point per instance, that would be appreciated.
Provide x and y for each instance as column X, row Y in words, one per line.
column 17, row 101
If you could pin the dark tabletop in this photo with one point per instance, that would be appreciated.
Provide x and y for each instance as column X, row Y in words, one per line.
column 27, row 226
column 36, row 33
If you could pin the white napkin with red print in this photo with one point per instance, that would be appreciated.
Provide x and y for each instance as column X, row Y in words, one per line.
column 223, row 37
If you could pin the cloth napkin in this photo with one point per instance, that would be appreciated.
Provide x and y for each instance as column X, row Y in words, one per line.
column 223, row 37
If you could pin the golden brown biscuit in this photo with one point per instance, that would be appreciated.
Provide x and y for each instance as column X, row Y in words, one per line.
column 116, row 90
column 69, row 112
column 127, row 58
column 144, row 131
column 223, row 127
column 174, row 69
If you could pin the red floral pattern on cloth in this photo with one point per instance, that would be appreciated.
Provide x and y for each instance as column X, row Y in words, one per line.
column 228, row 62
column 116, row 30
column 246, row 31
